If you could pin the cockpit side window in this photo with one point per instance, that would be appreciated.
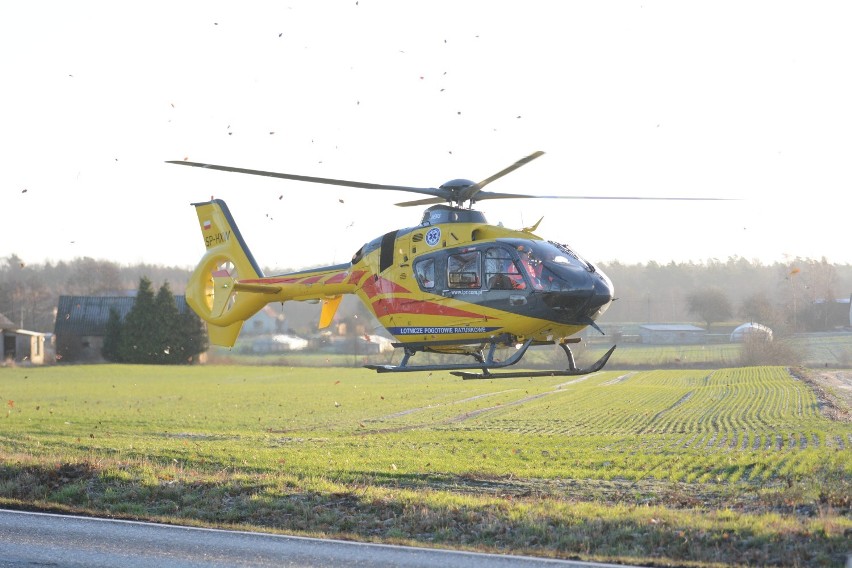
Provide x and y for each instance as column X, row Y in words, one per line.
column 463, row 270
column 425, row 271
column 533, row 266
column 501, row 273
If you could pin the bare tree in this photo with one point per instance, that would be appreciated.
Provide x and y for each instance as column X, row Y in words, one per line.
column 710, row 304
column 759, row 308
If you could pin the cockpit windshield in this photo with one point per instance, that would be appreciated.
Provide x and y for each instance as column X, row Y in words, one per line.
column 548, row 263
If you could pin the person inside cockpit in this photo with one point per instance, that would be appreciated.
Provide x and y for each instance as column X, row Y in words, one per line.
column 533, row 266
column 500, row 271
column 425, row 270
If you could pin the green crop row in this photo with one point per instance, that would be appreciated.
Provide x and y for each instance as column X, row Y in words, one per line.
column 695, row 418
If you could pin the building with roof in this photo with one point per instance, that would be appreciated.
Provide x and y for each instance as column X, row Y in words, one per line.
column 81, row 324
column 751, row 331
column 22, row 346
column 671, row 334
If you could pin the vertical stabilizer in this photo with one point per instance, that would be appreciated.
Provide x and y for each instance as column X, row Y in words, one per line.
column 211, row 289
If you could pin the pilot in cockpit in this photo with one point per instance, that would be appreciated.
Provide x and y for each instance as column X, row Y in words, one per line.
column 501, row 272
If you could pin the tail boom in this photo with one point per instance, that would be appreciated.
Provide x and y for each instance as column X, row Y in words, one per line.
column 227, row 286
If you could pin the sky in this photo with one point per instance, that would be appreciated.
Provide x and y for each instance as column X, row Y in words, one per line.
column 742, row 100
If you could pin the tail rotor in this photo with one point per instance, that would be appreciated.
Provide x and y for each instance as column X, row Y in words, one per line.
column 212, row 288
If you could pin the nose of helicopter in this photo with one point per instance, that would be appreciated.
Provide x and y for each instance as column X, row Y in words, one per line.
column 602, row 294
column 580, row 294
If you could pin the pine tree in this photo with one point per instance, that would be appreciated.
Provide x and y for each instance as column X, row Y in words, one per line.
column 168, row 327
column 154, row 331
column 140, row 334
column 193, row 338
column 111, row 349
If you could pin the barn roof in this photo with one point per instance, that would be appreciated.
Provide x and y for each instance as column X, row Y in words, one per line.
column 670, row 327
column 88, row 315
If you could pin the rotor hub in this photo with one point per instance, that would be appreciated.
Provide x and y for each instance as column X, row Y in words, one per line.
column 458, row 184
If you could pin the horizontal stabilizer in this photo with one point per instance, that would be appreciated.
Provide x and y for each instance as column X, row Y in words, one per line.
column 329, row 308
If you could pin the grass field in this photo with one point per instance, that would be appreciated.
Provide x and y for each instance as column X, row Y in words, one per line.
column 817, row 350
column 734, row 466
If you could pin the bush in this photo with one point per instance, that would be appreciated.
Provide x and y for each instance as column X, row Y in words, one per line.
column 756, row 350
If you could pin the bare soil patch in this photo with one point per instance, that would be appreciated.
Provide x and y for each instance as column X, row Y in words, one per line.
column 833, row 389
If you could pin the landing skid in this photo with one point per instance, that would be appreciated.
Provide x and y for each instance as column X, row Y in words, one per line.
column 484, row 363
column 572, row 370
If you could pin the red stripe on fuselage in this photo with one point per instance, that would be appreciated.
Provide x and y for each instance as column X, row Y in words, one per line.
column 356, row 276
column 391, row 306
column 375, row 286
column 271, row 281
column 335, row 278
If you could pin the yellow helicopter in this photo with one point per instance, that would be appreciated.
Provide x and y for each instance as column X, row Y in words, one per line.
column 453, row 284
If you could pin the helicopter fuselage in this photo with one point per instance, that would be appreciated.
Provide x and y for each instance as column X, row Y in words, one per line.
column 451, row 279
column 452, row 284
column 455, row 277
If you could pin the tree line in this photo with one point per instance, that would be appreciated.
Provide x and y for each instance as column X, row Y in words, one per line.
column 799, row 295
column 795, row 295
column 29, row 293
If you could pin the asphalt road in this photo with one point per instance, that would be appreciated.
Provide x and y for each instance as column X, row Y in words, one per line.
column 46, row 540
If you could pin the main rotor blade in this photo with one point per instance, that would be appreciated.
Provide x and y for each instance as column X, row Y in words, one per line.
column 429, row 201
column 482, row 195
column 490, row 195
column 513, row 167
column 311, row 179
column 471, row 193
column 478, row 196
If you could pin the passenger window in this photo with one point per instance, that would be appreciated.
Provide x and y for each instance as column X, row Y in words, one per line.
column 425, row 271
column 463, row 270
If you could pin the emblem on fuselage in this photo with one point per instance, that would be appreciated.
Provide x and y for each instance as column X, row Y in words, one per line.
column 433, row 237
